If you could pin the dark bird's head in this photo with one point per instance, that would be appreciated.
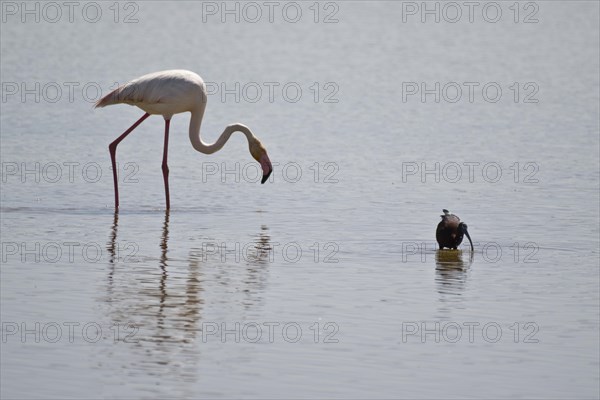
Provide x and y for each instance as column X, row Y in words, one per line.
column 463, row 228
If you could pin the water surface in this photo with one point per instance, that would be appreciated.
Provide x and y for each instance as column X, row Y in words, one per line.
column 326, row 281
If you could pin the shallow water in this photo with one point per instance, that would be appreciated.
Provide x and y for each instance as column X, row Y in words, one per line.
column 326, row 281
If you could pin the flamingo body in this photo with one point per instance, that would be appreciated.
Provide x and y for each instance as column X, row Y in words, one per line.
column 172, row 92
column 161, row 93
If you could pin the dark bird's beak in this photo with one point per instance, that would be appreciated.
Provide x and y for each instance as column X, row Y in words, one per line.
column 470, row 241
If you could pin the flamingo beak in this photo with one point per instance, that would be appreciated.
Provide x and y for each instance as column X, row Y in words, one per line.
column 267, row 168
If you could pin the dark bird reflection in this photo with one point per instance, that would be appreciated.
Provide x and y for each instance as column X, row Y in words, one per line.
column 452, row 268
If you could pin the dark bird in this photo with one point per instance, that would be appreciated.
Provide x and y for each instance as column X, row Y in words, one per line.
column 450, row 231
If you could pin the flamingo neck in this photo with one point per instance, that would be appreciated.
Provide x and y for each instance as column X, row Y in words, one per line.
column 204, row 148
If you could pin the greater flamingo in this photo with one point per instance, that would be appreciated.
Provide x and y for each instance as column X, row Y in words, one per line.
column 172, row 92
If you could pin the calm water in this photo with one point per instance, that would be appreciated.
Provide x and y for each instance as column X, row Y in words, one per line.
column 324, row 282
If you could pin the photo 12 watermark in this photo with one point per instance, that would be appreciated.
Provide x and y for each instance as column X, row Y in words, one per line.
column 53, row 12
column 52, row 91
column 65, row 172
column 67, row 252
column 491, row 172
column 470, row 92
column 320, row 172
column 452, row 12
column 253, row 12
column 67, row 332
column 273, row 91
column 490, row 252
column 469, row 332
column 271, row 252
column 269, row 332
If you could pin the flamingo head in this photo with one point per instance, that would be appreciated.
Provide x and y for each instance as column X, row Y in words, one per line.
column 259, row 153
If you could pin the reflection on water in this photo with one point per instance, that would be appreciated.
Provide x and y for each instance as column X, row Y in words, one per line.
column 111, row 247
column 165, row 306
column 164, row 246
column 262, row 247
column 255, row 281
column 451, row 270
column 237, row 267
column 165, row 300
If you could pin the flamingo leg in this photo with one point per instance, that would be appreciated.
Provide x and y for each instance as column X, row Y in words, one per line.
column 113, row 153
column 165, row 167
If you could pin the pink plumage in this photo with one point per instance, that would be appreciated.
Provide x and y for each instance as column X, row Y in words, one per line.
column 172, row 92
